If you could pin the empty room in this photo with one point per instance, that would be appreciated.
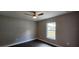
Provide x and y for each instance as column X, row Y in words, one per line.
column 39, row 29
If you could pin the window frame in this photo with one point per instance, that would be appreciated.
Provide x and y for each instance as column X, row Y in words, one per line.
column 53, row 38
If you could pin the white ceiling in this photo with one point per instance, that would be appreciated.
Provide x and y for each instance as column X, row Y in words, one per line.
column 21, row 15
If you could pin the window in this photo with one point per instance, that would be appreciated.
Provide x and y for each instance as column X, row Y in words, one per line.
column 51, row 30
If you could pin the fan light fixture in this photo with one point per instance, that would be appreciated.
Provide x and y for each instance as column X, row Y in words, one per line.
column 34, row 17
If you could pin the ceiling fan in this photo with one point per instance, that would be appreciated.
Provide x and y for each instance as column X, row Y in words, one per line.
column 34, row 14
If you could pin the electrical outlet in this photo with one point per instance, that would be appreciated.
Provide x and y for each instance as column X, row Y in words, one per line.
column 68, row 43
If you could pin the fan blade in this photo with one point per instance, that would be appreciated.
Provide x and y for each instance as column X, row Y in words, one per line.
column 40, row 14
column 28, row 14
column 34, row 13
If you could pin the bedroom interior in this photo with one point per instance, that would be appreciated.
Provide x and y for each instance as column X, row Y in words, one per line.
column 39, row 28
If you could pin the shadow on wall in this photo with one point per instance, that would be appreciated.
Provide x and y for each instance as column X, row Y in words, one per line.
column 26, row 36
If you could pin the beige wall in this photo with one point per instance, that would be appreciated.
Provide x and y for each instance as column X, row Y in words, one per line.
column 13, row 30
column 67, row 27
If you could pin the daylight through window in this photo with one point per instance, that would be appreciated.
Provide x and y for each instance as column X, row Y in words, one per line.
column 51, row 30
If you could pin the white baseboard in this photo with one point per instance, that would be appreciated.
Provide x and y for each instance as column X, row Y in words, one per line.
column 17, row 43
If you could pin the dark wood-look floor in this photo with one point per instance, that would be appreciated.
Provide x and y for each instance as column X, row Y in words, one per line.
column 35, row 43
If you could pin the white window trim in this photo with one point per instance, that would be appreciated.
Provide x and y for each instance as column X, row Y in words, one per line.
column 47, row 32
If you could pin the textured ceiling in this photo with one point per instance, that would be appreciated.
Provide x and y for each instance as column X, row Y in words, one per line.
column 21, row 15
